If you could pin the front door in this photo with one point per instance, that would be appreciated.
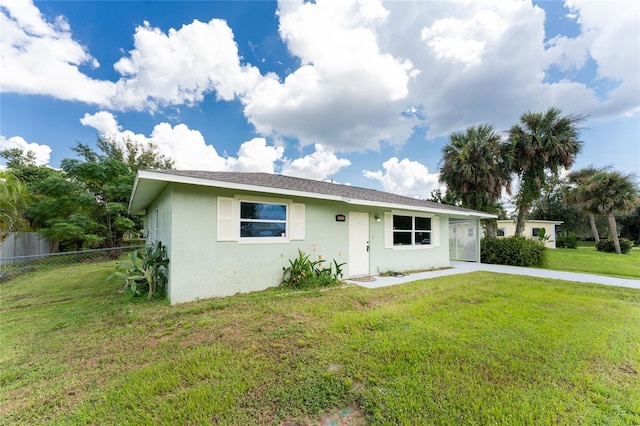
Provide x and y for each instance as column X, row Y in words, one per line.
column 358, row 244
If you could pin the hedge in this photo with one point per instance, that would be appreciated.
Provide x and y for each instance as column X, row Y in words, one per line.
column 514, row 251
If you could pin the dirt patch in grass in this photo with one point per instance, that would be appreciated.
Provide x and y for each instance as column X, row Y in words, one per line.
column 349, row 416
column 628, row 368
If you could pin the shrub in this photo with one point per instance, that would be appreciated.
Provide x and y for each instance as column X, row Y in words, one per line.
column 303, row 272
column 146, row 271
column 607, row 245
column 514, row 251
column 570, row 241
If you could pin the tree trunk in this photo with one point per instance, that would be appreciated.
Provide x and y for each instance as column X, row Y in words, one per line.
column 614, row 232
column 492, row 227
column 594, row 229
column 522, row 210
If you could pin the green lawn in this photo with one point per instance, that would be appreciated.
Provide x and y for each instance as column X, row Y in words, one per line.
column 587, row 259
column 475, row 348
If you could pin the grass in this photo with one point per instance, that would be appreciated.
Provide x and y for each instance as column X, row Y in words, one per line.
column 588, row 260
column 475, row 348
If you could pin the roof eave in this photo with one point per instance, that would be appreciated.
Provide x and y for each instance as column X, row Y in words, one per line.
column 170, row 178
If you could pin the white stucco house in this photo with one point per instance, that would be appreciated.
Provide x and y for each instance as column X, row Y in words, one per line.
column 507, row 228
column 228, row 232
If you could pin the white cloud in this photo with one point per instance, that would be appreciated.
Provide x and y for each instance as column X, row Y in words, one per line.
column 347, row 94
column 464, row 40
column 41, row 57
column 256, row 156
column 187, row 147
column 174, row 68
column 363, row 65
column 42, row 152
column 319, row 165
column 405, row 177
column 182, row 66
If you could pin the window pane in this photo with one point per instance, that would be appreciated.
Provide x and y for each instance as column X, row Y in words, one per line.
column 402, row 238
column 423, row 238
column 402, row 222
column 264, row 211
column 423, row 223
column 500, row 232
column 535, row 232
column 262, row 229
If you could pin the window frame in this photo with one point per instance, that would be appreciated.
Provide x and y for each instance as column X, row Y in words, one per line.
column 535, row 234
column 266, row 239
column 413, row 231
column 499, row 230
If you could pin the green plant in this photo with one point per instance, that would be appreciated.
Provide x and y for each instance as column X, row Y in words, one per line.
column 608, row 245
column 514, row 251
column 146, row 271
column 303, row 272
column 542, row 236
column 568, row 241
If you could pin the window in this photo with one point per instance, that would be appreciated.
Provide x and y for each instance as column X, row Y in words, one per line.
column 411, row 230
column 500, row 232
column 535, row 232
column 259, row 220
column 263, row 220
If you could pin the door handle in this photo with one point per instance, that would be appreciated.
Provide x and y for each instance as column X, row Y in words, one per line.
column 367, row 246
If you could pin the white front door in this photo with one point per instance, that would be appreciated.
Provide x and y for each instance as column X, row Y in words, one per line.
column 358, row 263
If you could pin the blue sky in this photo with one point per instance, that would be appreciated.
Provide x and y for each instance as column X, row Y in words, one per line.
column 361, row 92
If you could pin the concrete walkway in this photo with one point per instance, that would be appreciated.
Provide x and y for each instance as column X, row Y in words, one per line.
column 465, row 267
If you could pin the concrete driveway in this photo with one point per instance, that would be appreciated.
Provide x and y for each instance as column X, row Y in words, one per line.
column 465, row 267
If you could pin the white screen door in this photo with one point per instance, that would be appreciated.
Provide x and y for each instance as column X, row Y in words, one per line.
column 358, row 244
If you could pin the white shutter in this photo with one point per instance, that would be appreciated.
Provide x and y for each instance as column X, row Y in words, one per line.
column 388, row 230
column 227, row 219
column 435, row 231
column 297, row 222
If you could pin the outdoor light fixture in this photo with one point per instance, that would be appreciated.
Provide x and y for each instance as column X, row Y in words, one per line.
column 340, row 218
column 377, row 217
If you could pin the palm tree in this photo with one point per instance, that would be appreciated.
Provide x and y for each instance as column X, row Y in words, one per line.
column 475, row 167
column 542, row 143
column 610, row 193
column 13, row 199
column 575, row 194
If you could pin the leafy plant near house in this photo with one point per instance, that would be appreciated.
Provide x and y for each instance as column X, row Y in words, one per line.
column 146, row 271
column 303, row 272
column 542, row 236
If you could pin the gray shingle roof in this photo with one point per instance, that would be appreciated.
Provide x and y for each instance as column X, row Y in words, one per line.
column 268, row 180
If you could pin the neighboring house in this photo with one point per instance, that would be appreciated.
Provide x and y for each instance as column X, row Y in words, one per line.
column 229, row 233
column 507, row 228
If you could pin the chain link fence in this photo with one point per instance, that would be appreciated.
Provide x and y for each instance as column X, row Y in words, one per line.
column 11, row 267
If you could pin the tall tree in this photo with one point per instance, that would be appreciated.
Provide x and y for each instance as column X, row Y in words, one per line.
column 476, row 167
column 108, row 175
column 542, row 143
column 611, row 192
column 85, row 204
column 447, row 198
column 17, row 158
column 575, row 194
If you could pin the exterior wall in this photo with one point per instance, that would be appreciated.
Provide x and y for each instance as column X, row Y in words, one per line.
column 157, row 226
column 401, row 259
column 550, row 230
column 202, row 267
